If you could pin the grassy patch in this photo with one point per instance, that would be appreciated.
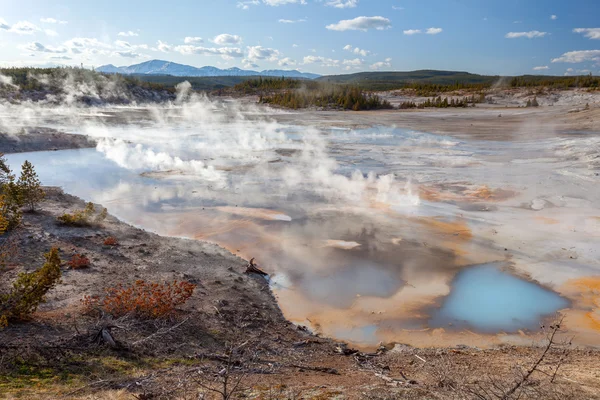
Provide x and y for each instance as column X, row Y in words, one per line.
column 29, row 380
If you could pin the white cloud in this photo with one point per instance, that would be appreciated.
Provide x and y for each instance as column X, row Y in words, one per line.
column 82, row 43
column 248, row 64
column 122, row 43
column 342, row 3
column 355, row 62
column 38, row 47
column 4, row 25
column 291, row 21
column 434, row 31
column 529, row 35
column 128, row 34
column 52, row 21
column 325, row 62
column 192, row 40
column 225, row 39
column 294, row 45
column 224, row 52
column 357, row 50
column 50, row 32
column 382, row 64
column 429, row 31
column 262, row 53
column 574, row 57
column 23, row 28
column 164, row 47
column 541, row 68
column 397, row 8
column 276, row 3
column 591, row 33
column 127, row 54
column 60, row 58
column 361, row 24
column 553, row 17
column 286, row 62
column 244, row 5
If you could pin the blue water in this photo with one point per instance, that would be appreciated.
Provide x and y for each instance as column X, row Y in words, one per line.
column 490, row 300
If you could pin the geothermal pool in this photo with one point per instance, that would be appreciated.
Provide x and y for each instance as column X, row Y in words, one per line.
column 373, row 234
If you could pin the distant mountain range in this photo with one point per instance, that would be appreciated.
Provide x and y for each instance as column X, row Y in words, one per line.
column 160, row 67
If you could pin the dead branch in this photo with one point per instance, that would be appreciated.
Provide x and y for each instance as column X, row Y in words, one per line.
column 325, row 370
column 394, row 381
column 535, row 366
column 160, row 332
column 251, row 268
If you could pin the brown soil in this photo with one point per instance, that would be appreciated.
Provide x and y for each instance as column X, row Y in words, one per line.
column 53, row 355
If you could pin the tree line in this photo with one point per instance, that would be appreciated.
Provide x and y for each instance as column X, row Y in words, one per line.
column 339, row 97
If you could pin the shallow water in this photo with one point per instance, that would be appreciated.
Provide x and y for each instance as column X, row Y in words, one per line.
column 487, row 299
column 364, row 231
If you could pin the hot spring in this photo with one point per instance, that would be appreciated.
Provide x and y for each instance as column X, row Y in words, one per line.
column 369, row 234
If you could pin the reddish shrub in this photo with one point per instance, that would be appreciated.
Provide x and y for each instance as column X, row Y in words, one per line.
column 142, row 299
column 110, row 241
column 79, row 261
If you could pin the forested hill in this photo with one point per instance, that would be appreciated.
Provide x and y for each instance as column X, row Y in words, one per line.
column 392, row 80
column 456, row 80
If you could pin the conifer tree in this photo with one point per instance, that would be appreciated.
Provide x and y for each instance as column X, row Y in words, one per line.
column 30, row 186
column 29, row 289
column 4, row 170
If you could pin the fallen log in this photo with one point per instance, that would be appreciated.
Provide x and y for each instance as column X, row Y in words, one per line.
column 251, row 268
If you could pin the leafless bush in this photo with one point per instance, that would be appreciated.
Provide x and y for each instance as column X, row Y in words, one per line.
column 540, row 378
column 229, row 376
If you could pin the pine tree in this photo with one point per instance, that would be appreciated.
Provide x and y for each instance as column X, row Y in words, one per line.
column 29, row 289
column 4, row 170
column 30, row 186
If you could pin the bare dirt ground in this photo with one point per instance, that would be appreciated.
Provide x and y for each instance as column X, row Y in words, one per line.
column 483, row 122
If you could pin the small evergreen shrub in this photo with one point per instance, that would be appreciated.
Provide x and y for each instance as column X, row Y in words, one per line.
column 83, row 217
column 29, row 289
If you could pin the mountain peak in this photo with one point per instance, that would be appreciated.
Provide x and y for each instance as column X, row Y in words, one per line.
column 161, row 67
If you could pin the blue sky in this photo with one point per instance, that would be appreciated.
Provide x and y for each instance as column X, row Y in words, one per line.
column 507, row 37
